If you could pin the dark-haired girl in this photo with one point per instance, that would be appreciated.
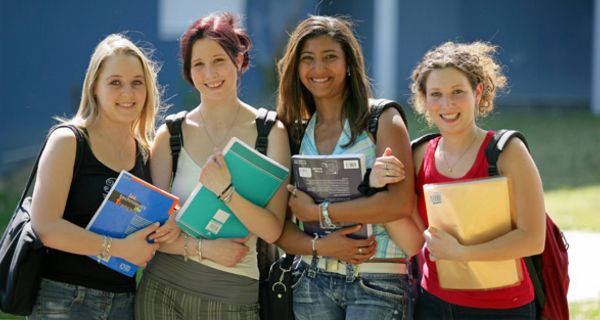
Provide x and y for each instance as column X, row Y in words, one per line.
column 212, row 279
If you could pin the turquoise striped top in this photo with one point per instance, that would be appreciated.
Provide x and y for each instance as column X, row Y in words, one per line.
column 386, row 248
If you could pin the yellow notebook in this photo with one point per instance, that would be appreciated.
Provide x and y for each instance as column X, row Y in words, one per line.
column 473, row 211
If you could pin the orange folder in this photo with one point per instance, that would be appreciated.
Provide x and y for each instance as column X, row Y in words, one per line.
column 473, row 211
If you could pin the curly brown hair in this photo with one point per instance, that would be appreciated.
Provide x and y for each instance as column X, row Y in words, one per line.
column 475, row 60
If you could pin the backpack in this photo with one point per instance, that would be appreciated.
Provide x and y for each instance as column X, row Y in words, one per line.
column 377, row 108
column 549, row 270
column 267, row 253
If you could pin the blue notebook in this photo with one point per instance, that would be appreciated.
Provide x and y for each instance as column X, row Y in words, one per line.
column 254, row 176
column 130, row 205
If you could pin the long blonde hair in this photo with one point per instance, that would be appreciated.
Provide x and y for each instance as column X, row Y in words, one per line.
column 143, row 128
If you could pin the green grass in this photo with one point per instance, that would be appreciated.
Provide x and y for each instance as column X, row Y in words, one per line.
column 575, row 208
column 585, row 310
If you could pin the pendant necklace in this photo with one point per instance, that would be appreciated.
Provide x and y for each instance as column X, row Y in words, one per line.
column 450, row 168
column 216, row 145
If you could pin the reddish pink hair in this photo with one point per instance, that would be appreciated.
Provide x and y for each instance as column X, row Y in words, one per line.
column 221, row 27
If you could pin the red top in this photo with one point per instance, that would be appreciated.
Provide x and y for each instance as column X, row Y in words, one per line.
column 504, row 298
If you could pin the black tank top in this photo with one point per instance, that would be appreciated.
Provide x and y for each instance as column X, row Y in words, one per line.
column 90, row 185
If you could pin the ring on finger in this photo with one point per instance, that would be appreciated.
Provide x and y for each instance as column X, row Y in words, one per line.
column 360, row 250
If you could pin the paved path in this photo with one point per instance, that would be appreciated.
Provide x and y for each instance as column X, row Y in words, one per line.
column 584, row 265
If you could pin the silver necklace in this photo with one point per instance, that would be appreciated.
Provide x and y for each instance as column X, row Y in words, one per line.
column 450, row 168
column 216, row 145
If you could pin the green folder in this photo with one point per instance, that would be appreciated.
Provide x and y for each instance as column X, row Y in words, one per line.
column 254, row 176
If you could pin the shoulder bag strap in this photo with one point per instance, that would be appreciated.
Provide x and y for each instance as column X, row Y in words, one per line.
column 78, row 150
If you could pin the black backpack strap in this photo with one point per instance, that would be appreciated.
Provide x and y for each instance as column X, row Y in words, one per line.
column 534, row 267
column 265, row 119
column 267, row 253
column 173, row 122
column 422, row 139
column 492, row 153
column 377, row 108
column 496, row 146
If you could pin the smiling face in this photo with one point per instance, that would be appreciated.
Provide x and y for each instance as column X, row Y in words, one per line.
column 449, row 99
column 120, row 88
column 212, row 71
column 322, row 68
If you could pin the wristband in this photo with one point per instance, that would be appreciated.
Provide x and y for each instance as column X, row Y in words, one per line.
column 224, row 191
column 228, row 194
column 314, row 245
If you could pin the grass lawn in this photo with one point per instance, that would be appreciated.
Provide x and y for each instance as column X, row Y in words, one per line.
column 564, row 145
column 575, row 208
column 584, row 310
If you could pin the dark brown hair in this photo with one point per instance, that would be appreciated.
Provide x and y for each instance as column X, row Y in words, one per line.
column 222, row 28
column 295, row 104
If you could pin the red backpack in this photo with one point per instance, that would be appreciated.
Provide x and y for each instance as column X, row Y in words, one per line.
column 549, row 271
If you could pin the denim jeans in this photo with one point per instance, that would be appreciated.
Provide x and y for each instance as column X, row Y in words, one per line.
column 325, row 295
column 431, row 307
column 59, row 300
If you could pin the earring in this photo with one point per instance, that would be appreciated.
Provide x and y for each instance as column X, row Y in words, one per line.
column 348, row 72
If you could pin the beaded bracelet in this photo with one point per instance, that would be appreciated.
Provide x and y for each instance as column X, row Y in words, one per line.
column 199, row 248
column 225, row 191
column 186, row 237
column 227, row 197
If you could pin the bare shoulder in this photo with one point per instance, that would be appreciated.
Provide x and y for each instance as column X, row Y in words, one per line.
column 60, row 150
column 162, row 132
column 278, row 131
column 279, row 147
column 161, row 139
column 391, row 117
column 515, row 157
column 62, row 138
